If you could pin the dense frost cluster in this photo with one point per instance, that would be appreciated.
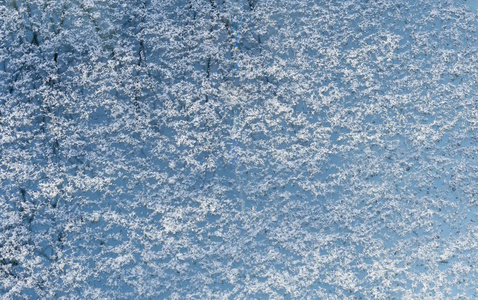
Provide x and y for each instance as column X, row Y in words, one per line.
column 221, row 149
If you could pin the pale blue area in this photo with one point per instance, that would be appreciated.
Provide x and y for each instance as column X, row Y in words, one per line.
column 315, row 166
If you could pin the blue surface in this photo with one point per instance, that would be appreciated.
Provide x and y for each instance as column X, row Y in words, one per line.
column 238, row 150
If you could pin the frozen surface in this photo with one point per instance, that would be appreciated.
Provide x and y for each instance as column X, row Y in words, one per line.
column 238, row 149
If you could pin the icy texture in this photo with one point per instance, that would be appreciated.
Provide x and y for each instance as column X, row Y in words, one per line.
column 314, row 150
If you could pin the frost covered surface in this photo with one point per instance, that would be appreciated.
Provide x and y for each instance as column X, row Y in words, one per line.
column 337, row 160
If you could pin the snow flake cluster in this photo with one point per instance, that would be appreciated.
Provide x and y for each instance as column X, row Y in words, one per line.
column 149, row 151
